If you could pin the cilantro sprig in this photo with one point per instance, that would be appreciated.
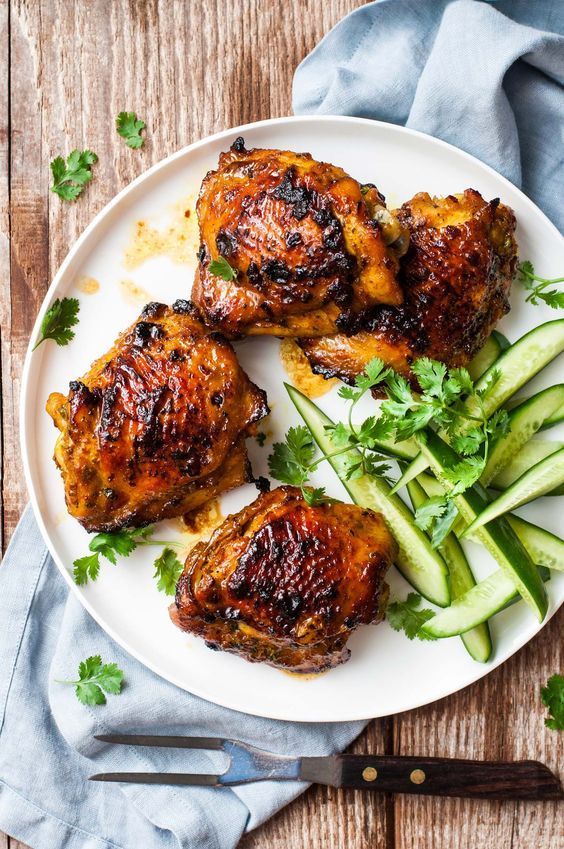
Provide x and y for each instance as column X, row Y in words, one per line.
column 123, row 543
column 441, row 404
column 553, row 698
column 221, row 268
column 537, row 286
column 58, row 320
column 168, row 569
column 129, row 128
column 70, row 178
column 407, row 616
column 95, row 679
column 292, row 462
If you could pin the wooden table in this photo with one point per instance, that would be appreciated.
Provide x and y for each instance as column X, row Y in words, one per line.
column 190, row 69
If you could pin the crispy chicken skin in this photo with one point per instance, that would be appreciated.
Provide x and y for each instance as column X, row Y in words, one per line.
column 309, row 254
column 285, row 583
column 455, row 277
column 157, row 426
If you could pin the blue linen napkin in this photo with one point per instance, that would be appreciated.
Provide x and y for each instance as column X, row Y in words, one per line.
column 483, row 78
column 486, row 77
column 47, row 748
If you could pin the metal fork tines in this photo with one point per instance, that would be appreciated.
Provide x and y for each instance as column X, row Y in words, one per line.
column 246, row 763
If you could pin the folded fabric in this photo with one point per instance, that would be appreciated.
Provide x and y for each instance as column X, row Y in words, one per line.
column 47, row 748
column 486, row 77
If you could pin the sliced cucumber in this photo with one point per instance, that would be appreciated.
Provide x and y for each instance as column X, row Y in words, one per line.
column 418, row 562
column 498, row 536
column 477, row 641
column 543, row 477
column 516, row 366
column 488, row 597
column 495, row 345
column 543, row 547
column 474, row 607
column 524, row 421
column 405, row 450
column 530, row 454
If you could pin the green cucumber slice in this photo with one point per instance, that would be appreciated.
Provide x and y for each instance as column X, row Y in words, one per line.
column 530, row 454
column 417, row 561
column 543, row 547
column 478, row 641
column 516, row 366
column 524, row 421
column 474, row 607
column 488, row 355
column 498, row 537
column 543, row 477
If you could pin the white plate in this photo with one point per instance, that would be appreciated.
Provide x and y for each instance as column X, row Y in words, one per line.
column 386, row 673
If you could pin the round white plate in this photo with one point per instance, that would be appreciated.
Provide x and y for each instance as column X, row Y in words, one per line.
column 386, row 673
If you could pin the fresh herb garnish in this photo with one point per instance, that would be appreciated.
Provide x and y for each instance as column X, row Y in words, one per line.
column 129, row 128
column 536, row 286
column 95, row 677
column 168, row 569
column 553, row 698
column 58, row 320
column 69, row 180
column 221, row 268
column 407, row 617
column 292, row 462
column 440, row 404
column 261, row 438
column 109, row 545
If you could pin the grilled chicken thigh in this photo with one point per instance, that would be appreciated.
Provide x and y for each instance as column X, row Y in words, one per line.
column 307, row 244
column 286, row 583
column 455, row 278
column 157, row 426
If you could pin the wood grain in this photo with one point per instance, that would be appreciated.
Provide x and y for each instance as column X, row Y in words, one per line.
column 190, row 69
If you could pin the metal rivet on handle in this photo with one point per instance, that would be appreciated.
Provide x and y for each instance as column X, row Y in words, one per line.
column 417, row 776
column 369, row 773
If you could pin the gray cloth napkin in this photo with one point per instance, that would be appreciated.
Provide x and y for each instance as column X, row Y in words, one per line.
column 486, row 77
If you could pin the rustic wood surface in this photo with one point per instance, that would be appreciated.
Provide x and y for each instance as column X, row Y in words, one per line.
column 189, row 69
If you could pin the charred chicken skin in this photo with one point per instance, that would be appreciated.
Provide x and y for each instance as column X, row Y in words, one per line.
column 455, row 278
column 157, row 426
column 305, row 241
column 285, row 583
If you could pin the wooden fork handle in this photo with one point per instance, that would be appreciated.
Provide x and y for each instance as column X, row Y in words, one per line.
column 438, row 776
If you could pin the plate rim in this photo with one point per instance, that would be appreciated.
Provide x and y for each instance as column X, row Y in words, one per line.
column 25, row 402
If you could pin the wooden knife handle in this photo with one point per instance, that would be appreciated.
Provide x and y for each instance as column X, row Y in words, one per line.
column 446, row 777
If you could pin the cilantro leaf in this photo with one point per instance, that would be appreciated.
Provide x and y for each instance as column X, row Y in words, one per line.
column 221, row 268
column 95, row 677
column 69, row 180
column 109, row 545
column 464, row 474
column 430, row 375
column 58, row 320
column 129, row 128
column 315, row 496
column 168, row 569
column 375, row 371
column 261, row 438
column 119, row 542
column 85, row 568
column 432, row 509
column 536, row 286
column 553, row 698
column 407, row 617
column 348, row 393
column 438, row 513
column 290, row 460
